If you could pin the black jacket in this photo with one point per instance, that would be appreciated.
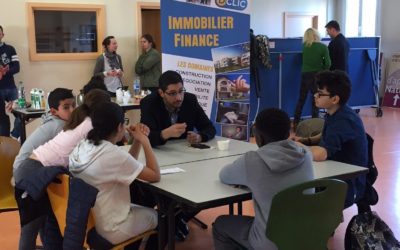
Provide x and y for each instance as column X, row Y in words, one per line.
column 82, row 196
column 156, row 117
column 339, row 53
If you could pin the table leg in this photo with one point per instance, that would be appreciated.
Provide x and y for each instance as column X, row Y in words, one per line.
column 166, row 222
column 231, row 212
column 171, row 225
column 23, row 128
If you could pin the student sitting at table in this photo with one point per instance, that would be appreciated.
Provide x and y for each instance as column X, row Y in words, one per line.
column 56, row 151
column 343, row 136
column 111, row 169
column 174, row 113
column 61, row 103
column 278, row 164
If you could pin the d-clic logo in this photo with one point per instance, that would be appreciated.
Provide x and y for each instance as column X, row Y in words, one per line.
column 232, row 4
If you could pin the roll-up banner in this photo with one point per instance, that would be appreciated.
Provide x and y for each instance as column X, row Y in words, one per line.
column 207, row 42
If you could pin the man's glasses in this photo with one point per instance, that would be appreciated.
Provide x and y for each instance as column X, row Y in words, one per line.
column 174, row 94
column 319, row 94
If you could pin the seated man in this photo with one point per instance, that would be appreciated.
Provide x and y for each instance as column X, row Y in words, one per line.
column 343, row 137
column 278, row 164
column 173, row 113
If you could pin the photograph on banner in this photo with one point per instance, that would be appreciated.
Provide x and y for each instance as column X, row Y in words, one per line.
column 234, row 132
column 232, row 112
column 233, row 86
column 232, row 58
column 204, row 2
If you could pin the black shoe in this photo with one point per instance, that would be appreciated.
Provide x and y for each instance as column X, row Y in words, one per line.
column 179, row 236
column 181, row 225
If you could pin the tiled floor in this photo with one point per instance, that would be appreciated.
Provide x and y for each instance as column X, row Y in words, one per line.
column 387, row 158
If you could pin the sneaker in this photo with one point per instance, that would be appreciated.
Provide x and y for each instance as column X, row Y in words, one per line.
column 182, row 226
column 179, row 236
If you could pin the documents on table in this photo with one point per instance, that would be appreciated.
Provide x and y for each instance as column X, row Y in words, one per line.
column 171, row 170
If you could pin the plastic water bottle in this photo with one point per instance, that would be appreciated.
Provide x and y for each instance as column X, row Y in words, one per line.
column 21, row 95
column 42, row 99
column 33, row 98
column 136, row 86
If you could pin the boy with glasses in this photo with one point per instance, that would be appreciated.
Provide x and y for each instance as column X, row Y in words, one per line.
column 173, row 113
column 343, row 137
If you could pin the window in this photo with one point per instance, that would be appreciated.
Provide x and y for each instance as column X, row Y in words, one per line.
column 65, row 31
column 360, row 17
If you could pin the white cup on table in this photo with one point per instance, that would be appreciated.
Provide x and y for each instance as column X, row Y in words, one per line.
column 223, row 145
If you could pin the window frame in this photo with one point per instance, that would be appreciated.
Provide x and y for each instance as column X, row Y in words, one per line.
column 100, row 24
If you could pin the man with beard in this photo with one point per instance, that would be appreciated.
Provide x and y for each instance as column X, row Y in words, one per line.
column 172, row 113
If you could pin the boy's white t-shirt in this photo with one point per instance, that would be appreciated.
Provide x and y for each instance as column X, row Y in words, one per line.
column 111, row 170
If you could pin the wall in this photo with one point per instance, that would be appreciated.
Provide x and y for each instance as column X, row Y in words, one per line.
column 120, row 22
column 389, row 21
column 267, row 15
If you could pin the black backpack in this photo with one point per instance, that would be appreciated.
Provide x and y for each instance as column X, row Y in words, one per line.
column 366, row 231
column 369, row 232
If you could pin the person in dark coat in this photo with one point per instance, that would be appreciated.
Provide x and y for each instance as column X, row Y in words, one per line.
column 338, row 47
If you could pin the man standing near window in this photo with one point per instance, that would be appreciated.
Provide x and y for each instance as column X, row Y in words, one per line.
column 9, row 65
column 338, row 47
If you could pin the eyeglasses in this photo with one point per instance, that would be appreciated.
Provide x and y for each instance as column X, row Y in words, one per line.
column 319, row 94
column 174, row 94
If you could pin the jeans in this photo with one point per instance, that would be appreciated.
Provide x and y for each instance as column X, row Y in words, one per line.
column 29, row 233
column 231, row 232
column 307, row 85
column 8, row 95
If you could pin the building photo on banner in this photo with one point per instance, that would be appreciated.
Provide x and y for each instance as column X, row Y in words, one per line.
column 204, row 42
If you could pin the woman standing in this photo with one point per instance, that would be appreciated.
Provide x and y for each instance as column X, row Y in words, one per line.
column 148, row 66
column 109, row 65
column 315, row 58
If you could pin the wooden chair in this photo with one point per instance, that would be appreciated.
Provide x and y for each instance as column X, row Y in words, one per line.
column 58, row 196
column 306, row 220
column 9, row 149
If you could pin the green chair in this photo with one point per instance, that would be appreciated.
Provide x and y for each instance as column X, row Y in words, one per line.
column 301, row 219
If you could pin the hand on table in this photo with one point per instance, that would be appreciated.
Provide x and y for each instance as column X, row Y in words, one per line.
column 193, row 137
column 139, row 132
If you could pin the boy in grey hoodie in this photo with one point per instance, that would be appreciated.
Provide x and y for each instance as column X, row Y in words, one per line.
column 61, row 103
column 278, row 164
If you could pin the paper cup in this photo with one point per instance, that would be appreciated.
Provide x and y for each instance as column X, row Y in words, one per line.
column 223, row 145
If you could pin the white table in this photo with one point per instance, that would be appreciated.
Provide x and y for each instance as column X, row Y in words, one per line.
column 199, row 186
column 25, row 114
column 179, row 151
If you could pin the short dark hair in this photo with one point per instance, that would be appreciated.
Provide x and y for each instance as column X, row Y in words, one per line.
column 169, row 77
column 58, row 95
column 106, row 117
column 107, row 41
column 333, row 24
column 150, row 39
column 273, row 124
column 96, row 82
column 336, row 82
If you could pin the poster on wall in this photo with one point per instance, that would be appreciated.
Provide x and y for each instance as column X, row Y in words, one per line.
column 392, row 89
column 203, row 37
